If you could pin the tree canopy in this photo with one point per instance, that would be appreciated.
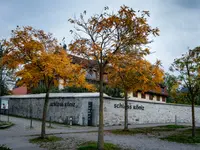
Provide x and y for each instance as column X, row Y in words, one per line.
column 132, row 73
column 36, row 56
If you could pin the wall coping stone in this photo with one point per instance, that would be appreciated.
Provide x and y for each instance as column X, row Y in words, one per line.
column 55, row 95
column 84, row 95
column 150, row 102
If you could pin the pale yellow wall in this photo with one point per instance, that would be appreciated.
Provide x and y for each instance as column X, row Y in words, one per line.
column 146, row 98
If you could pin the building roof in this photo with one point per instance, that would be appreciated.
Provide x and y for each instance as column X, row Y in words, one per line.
column 86, row 63
column 19, row 90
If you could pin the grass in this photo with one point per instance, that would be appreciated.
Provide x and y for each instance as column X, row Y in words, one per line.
column 93, row 146
column 175, row 135
column 4, row 147
column 173, row 126
column 5, row 124
column 47, row 139
column 184, row 137
column 131, row 131
column 148, row 130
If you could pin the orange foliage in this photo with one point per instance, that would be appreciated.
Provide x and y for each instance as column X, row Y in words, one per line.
column 37, row 56
column 132, row 73
column 105, row 34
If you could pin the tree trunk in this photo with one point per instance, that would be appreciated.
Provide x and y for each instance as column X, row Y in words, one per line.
column 193, row 119
column 126, row 111
column 101, row 125
column 43, row 133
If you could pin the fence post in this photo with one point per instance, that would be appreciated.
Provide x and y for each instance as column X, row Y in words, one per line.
column 70, row 121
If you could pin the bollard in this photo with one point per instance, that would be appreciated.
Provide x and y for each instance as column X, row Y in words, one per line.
column 70, row 121
column 175, row 120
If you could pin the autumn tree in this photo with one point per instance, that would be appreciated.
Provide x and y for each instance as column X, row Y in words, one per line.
column 188, row 67
column 36, row 56
column 133, row 73
column 106, row 34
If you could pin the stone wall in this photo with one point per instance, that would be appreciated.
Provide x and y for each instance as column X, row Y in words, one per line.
column 147, row 112
column 62, row 106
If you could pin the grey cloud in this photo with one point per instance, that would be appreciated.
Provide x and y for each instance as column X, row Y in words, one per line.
column 178, row 20
column 190, row 4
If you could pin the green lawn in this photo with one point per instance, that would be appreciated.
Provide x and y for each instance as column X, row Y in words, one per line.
column 47, row 139
column 173, row 133
column 148, row 130
column 4, row 147
column 173, row 126
column 184, row 137
column 5, row 124
column 93, row 146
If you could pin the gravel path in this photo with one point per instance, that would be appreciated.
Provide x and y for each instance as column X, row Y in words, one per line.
column 18, row 135
column 136, row 142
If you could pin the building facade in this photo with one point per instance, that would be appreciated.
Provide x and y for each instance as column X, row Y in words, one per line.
column 150, row 96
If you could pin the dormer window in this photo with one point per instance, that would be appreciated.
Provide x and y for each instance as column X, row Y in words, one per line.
column 158, row 98
column 135, row 94
column 151, row 96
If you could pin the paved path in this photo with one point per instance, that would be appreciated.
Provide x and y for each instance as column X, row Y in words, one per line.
column 22, row 127
column 17, row 136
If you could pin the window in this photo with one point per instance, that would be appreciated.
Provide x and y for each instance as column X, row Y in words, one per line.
column 143, row 95
column 163, row 99
column 135, row 94
column 158, row 98
column 151, row 96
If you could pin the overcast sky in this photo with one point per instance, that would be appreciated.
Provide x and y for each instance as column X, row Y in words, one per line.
column 178, row 20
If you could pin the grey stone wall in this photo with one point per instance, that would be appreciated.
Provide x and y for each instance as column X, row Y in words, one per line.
column 62, row 106
column 147, row 112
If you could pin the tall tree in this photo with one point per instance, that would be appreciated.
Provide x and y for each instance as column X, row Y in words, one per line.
column 188, row 67
column 37, row 56
column 132, row 73
column 106, row 34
